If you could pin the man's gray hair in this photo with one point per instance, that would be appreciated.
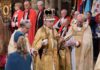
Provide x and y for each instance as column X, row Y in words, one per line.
column 40, row 3
column 64, row 11
column 25, row 23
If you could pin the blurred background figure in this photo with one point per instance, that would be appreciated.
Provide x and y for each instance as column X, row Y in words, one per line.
column 30, row 15
column 83, row 53
column 74, row 19
column 97, row 65
column 97, row 37
column 64, row 28
column 55, row 15
column 93, row 25
column 3, row 52
column 18, row 14
column 3, row 44
column 40, row 15
column 72, row 13
column 98, row 25
column 62, row 19
column 24, row 28
column 64, row 51
column 91, row 21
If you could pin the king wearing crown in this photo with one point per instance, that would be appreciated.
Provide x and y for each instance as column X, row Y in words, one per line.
column 45, row 44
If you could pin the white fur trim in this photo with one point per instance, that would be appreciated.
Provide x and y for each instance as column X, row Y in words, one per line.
column 49, row 19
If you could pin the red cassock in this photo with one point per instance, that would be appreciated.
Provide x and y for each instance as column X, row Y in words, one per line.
column 18, row 15
column 68, row 18
column 32, row 18
column 2, row 60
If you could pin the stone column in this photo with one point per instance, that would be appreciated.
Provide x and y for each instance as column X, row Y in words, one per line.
column 59, row 7
column 52, row 2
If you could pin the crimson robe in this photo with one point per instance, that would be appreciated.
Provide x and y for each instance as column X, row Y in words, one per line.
column 68, row 18
column 19, row 17
column 32, row 15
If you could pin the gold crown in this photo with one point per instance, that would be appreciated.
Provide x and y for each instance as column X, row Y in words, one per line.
column 49, row 14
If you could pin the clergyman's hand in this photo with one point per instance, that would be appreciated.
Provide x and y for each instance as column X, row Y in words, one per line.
column 34, row 52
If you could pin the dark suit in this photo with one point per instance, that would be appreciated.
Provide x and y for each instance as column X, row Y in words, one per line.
column 96, row 40
column 92, row 25
column 39, row 21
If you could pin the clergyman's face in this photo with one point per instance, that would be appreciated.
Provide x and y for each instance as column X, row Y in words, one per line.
column 63, row 14
column 16, row 6
column 40, row 7
column 80, row 20
column 26, row 5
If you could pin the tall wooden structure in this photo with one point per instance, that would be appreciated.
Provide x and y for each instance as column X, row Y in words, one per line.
column 5, row 15
column 5, row 10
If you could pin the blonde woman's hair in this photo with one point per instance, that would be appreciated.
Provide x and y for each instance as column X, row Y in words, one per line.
column 21, row 44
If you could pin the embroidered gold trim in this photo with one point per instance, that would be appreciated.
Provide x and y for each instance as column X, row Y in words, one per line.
column 5, row 10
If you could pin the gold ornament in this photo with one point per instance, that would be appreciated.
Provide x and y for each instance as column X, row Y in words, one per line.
column 5, row 10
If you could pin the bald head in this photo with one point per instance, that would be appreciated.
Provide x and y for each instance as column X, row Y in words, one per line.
column 76, row 14
column 80, row 17
column 63, row 12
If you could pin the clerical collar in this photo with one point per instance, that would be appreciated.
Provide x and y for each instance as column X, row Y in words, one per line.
column 18, row 10
column 28, row 12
